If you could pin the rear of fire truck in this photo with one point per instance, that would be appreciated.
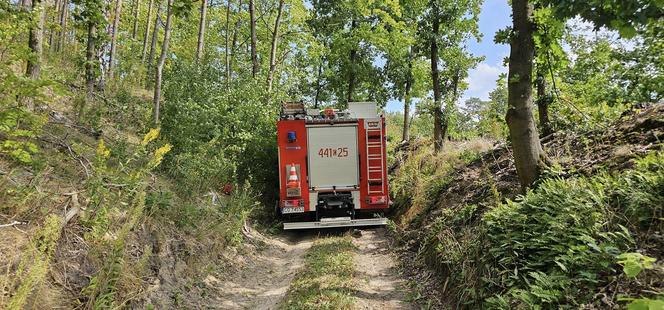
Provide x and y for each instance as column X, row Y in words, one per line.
column 332, row 166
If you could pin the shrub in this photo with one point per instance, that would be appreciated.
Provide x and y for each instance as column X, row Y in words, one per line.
column 218, row 136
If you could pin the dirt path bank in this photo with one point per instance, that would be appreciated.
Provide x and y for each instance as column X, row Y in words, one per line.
column 379, row 283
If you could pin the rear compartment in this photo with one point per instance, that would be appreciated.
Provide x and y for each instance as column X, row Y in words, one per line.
column 332, row 167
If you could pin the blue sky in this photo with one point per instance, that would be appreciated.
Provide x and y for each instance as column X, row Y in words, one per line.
column 495, row 15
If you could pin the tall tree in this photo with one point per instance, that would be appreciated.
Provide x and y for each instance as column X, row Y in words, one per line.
column 400, row 58
column 137, row 8
column 56, row 12
column 62, row 33
column 114, row 36
column 450, row 61
column 147, row 31
column 155, row 34
column 90, row 14
column 252, row 26
column 352, row 59
column 90, row 60
column 201, row 30
column 162, row 61
column 238, row 24
column 353, row 34
column 523, row 132
column 408, row 84
column 36, row 38
column 273, row 50
column 624, row 16
column 435, row 79
column 227, row 60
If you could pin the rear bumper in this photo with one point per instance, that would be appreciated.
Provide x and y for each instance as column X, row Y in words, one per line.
column 336, row 222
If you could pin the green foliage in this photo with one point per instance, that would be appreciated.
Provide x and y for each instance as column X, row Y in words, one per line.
column 353, row 34
column 553, row 247
column 218, row 137
column 19, row 125
column 555, row 235
column 624, row 16
column 646, row 304
column 19, row 128
column 634, row 263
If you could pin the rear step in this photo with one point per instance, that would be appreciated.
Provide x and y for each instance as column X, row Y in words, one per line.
column 336, row 222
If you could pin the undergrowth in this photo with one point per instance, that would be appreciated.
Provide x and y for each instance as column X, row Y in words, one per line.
column 325, row 281
column 421, row 178
column 556, row 246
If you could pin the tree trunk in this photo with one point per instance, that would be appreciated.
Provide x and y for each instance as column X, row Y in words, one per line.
column 543, row 105
column 318, row 84
column 254, row 56
column 51, row 34
column 523, row 132
column 114, row 37
column 406, row 103
column 238, row 23
column 155, row 34
column 35, row 41
column 90, row 59
column 201, row 31
column 227, row 49
column 351, row 71
column 147, row 31
column 162, row 61
column 137, row 8
column 273, row 51
column 406, row 113
column 437, row 112
column 450, row 104
column 63, row 25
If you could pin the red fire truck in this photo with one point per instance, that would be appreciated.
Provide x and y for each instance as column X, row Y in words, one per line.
column 332, row 166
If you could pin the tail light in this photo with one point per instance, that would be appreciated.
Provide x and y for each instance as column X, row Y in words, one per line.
column 377, row 200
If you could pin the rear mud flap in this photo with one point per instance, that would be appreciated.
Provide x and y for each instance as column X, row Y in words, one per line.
column 336, row 222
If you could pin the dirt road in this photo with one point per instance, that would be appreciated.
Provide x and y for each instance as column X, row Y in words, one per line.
column 380, row 285
column 264, row 277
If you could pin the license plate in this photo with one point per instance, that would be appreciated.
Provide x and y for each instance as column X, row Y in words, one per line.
column 292, row 210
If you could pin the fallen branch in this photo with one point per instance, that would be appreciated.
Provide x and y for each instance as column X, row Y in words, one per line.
column 73, row 211
column 14, row 223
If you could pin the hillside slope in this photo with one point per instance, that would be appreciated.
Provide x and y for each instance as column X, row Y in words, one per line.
column 472, row 240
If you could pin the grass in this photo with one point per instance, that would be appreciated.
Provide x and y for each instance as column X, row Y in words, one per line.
column 421, row 178
column 326, row 280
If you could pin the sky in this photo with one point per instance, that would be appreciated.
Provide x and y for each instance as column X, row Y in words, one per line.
column 495, row 15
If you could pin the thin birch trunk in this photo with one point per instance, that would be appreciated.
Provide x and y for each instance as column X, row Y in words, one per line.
column 273, row 51
column 147, row 31
column 137, row 8
column 155, row 34
column 227, row 49
column 162, row 61
column 254, row 56
column 201, row 31
column 114, row 37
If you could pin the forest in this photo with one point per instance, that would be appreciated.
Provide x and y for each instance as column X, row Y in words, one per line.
column 138, row 153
